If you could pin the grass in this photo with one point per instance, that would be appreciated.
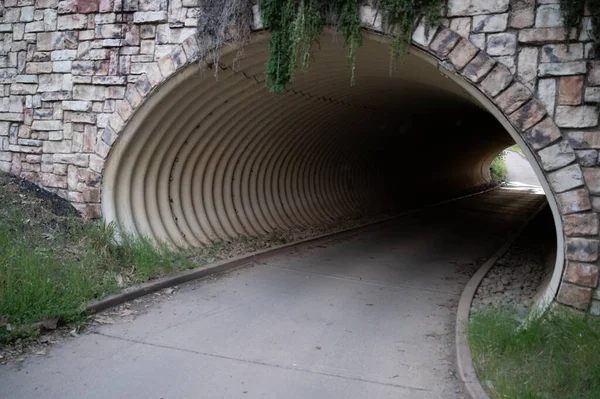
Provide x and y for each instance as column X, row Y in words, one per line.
column 498, row 169
column 516, row 148
column 52, row 263
column 554, row 357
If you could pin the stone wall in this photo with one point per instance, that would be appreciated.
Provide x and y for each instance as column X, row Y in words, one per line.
column 73, row 72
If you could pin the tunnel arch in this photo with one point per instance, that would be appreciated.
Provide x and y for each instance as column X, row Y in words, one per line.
column 319, row 192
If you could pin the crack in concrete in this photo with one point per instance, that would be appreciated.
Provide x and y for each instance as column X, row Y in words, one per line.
column 259, row 363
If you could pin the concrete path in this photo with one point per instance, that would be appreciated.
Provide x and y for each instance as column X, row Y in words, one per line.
column 366, row 317
column 519, row 169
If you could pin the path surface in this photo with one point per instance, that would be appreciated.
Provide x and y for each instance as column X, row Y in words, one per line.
column 519, row 169
column 366, row 317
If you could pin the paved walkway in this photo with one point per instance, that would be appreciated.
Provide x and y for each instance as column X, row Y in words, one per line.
column 519, row 169
column 366, row 317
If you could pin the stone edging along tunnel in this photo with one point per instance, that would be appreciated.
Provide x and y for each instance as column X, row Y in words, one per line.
column 186, row 158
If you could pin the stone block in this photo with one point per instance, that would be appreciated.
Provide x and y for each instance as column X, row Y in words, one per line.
column 583, row 140
column 444, row 42
column 592, row 95
column 562, row 68
column 594, row 73
column 522, row 14
column 501, row 44
column 52, row 180
column 478, row 67
column 592, row 179
column 528, row 115
column 582, row 249
column 462, row 26
column 496, row 81
column 575, row 296
column 548, row 16
column 566, row 178
column 88, row 92
column 576, row 116
column 587, row 158
column 72, row 22
column 556, row 156
column 547, row 94
column 562, row 53
column 146, row 17
column 527, row 66
column 476, row 7
column 570, row 90
column 47, row 125
column 544, row 35
column 462, row 53
column 574, row 201
column 581, row 224
column 82, row 106
column 490, row 23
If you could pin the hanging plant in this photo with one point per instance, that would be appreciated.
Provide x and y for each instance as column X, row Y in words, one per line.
column 296, row 26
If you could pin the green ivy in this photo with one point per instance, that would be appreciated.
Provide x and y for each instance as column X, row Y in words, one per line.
column 296, row 25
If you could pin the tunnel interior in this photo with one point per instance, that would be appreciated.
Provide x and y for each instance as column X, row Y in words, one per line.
column 208, row 159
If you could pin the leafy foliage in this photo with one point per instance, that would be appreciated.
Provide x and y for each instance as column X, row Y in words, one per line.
column 296, row 26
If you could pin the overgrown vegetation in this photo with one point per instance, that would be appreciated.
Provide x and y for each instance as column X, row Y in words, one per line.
column 516, row 148
column 498, row 169
column 296, row 27
column 553, row 358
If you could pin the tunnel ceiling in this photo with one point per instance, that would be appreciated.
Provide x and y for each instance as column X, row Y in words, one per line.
column 214, row 159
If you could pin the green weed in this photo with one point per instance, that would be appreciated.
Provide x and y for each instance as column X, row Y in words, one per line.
column 553, row 357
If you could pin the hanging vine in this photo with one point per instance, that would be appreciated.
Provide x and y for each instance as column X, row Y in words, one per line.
column 296, row 26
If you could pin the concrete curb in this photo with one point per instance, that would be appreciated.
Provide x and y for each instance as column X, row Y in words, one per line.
column 230, row 264
column 464, row 359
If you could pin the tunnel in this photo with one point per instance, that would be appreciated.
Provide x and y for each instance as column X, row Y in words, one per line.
column 216, row 156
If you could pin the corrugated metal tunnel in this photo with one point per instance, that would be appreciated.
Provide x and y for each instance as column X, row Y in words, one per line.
column 210, row 159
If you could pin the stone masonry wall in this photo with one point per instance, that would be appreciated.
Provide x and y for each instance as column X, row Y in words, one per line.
column 72, row 72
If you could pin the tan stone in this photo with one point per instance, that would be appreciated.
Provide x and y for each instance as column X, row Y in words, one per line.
column 575, row 296
column 514, row 97
column 582, row 224
column 574, row 201
column 570, row 90
column 462, row 54
column 478, row 67
column 496, row 81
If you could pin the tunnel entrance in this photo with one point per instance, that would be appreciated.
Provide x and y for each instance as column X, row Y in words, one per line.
column 208, row 159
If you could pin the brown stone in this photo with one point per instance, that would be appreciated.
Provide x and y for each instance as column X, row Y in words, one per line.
column 478, row 67
column 582, row 224
column 462, row 54
column 496, row 81
column 592, row 179
column 542, row 134
column 570, row 90
column 515, row 96
column 574, row 201
column 582, row 249
column 575, row 296
column 444, row 42
column 582, row 274
column 528, row 115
